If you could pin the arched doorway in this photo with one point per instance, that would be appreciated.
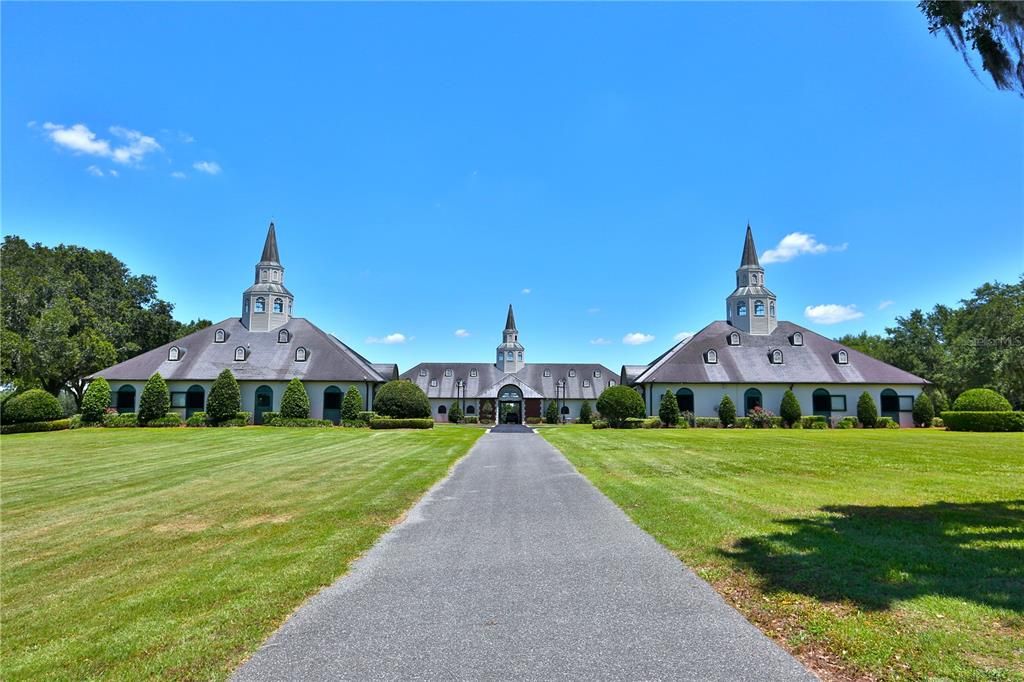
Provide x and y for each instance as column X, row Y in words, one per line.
column 195, row 400
column 264, row 403
column 751, row 399
column 684, row 398
column 821, row 403
column 332, row 404
column 125, row 399
column 510, row 405
column 890, row 405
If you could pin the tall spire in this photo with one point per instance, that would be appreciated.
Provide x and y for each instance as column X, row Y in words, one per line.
column 749, row 251
column 270, row 254
column 510, row 351
column 510, row 321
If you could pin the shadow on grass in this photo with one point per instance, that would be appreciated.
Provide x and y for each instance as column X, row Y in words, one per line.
column 873, row 556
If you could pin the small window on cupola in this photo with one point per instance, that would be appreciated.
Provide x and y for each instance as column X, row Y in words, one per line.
column 240, row 354
column 261, row 305
column 278, row 305
column 734, row 339
column 301, row 354
column 711, row 356
column 798, row 339
column 758, row 308
column 284, row 336
column 173, row 354
column 741, row 309
column 220, row 336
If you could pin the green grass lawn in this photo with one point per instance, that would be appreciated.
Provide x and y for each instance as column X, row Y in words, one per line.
column 174, row 553
column 869, row 554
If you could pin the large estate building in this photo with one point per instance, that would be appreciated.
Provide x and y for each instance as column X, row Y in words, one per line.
column 754, row 358
column 513, row 389
column 264, row 348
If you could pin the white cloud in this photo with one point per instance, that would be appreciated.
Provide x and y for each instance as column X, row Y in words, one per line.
column 210, row 167
column 95, row 170
column 178, row 175
column 832, row 313
column 136, row 145
column 885, row 304
column 600, row 341
column 682, row 335
column 389, row 339
column 112, row 172
column 80, row 140
column 795, row 244
column 637, row 338
column 461, row 333
column 526, row 291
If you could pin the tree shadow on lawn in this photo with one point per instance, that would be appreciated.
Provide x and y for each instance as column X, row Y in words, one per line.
column 873, row 556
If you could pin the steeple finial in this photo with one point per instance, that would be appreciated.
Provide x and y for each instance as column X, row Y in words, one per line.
column 270, row 254
column 749, row 251
column 510, row 321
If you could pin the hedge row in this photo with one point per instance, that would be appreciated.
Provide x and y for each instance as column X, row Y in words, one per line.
column 983, row 421
column 409, row 423
column 35, row 427
column 298, row 421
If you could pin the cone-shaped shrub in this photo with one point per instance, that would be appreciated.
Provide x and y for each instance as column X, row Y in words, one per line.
column 295, row 401
column 155, row 400
column 727, row 411
column 551, row 415
column 586, row 415
column 96, row 401
column 455, row 413
column 924, row 411
column 789, row 410
column 867, row 413
column 352, row 405
column 668, row 410
column 225, row 398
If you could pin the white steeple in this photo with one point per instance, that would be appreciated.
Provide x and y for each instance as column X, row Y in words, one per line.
column 267, row 304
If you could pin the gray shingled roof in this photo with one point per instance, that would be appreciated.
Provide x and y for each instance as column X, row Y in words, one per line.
column 490, row 379
column 328, row 358
column 749, row 363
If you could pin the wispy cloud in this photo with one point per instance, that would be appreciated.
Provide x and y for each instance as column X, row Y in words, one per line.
column 209, row 167
column 682, row 335
column 95, row 171
column 601, row 341
column 79, row 139
column 526, row 291
column 178, row 175
column 885, row 304
column 389, row 339
column 135, row 145
column 637, row 338
column 832, row 313
column 461, row 333
column 796, row 244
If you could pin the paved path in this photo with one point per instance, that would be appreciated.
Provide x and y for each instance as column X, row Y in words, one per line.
column 516, row 567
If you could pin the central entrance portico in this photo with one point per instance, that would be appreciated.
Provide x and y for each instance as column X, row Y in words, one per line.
column 510, row 405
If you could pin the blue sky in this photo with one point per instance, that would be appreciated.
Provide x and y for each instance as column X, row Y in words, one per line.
column 594, row 165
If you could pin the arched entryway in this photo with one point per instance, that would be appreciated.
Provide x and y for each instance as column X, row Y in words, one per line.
column 510, row 405
column 890, row 405
column 332, row 404
column 195, row 400
column 684, row 398
column 264, row 403
column 751, row 399
column 124, row 399
column 821, row 403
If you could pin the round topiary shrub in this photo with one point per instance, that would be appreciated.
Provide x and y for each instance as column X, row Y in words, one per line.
column 619, row 403
column 789, row 410
column 155, row 400
column 225, row 398
column 295, row 401
column 981, row 400
column 34, row 405
column 401, row 400
column 727, row 411
column 95, row 401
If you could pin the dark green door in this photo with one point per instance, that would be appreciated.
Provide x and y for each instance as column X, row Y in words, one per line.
column 332, row 404
column 264, row 403
column 195, row 400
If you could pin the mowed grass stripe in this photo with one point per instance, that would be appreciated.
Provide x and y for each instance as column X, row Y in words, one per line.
column 174, row 553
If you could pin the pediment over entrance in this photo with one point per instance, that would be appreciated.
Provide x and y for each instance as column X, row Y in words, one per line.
column 494, row 390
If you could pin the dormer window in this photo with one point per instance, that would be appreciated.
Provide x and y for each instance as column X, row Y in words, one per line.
column 842, row 357
column 173, row 354
column 611, row 382
column 776, row 357
column 447, row 372
column 261, row 305
column 547, row 372
column 240, row 354
column 473, row 372
column 758, row 308
column 561, row 382
column 572, row 373
column 798, row 339
column 586, row 383
column 220, row 336
column 597, row 374
column 433, row 383
column 741, row 309
column 734, row 339
column 283, row 336
column 711, row 356
column 423, row 371
column 278, row 305
column 301, row 354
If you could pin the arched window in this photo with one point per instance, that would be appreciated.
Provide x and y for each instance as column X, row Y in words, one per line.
column 842, row 357
column 597, row 374
column 771, row 309
column 219, row 336
column 240, row 353
column 586, row 383
column 283, row 336
column 741, row 309
column 510, row 356
column 245, row 307
column 470, row 409
column 278, row 305
column 520, row 356
column 751, row 399
column 263, row 275
column 734, row 339
column 433, row 384
column 547, row 372
column 758, row 308
column 473, row 372
column 195, row 399
column 821, row 402
column 261, row 305
column 125, row 399
column 684, row 398
column 611, row 382
column 332, row 404
column 776, row 357
column 300, row 354
column 441, row 410
column 798, row 339
column 173, row 354
column 423, row 371
column 565, row 409
column 447, row 372
column 572, row 373
column 711, row 357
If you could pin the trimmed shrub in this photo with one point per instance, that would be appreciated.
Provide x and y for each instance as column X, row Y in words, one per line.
column 709, row 422
column 847, row 423
column 886, row 423
column 168, row 420
column 225, row 399
column 455, row 413
column 821, row 426
column 586, row 415
column 599, row 424
column 981, row 400
column 727, row 411
column 352, row 405
column 632, row 423
column 789, row 410
column 365, row 416
column 198, row 419
column 120, row 421
column 653, row 422
column 487, row 412
column 471, row 419
column 34, row 405
column 155, row 400
column 983, row 421
column 668, row 409
column 619, row 403
column 75, row 422
column 406, row 423
column 269, row 417
column 937, row 423
column 940, row 403
column 295, row 401
column 923, row 410
column 95, row 401
column 551, row 414
column 810, row 420
column 867, row 412
column 533, row 420
column 687, row 418
column 239, row 419
column 401, row 400
column 298, row 422
column 761, row 418
column 35, row 427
